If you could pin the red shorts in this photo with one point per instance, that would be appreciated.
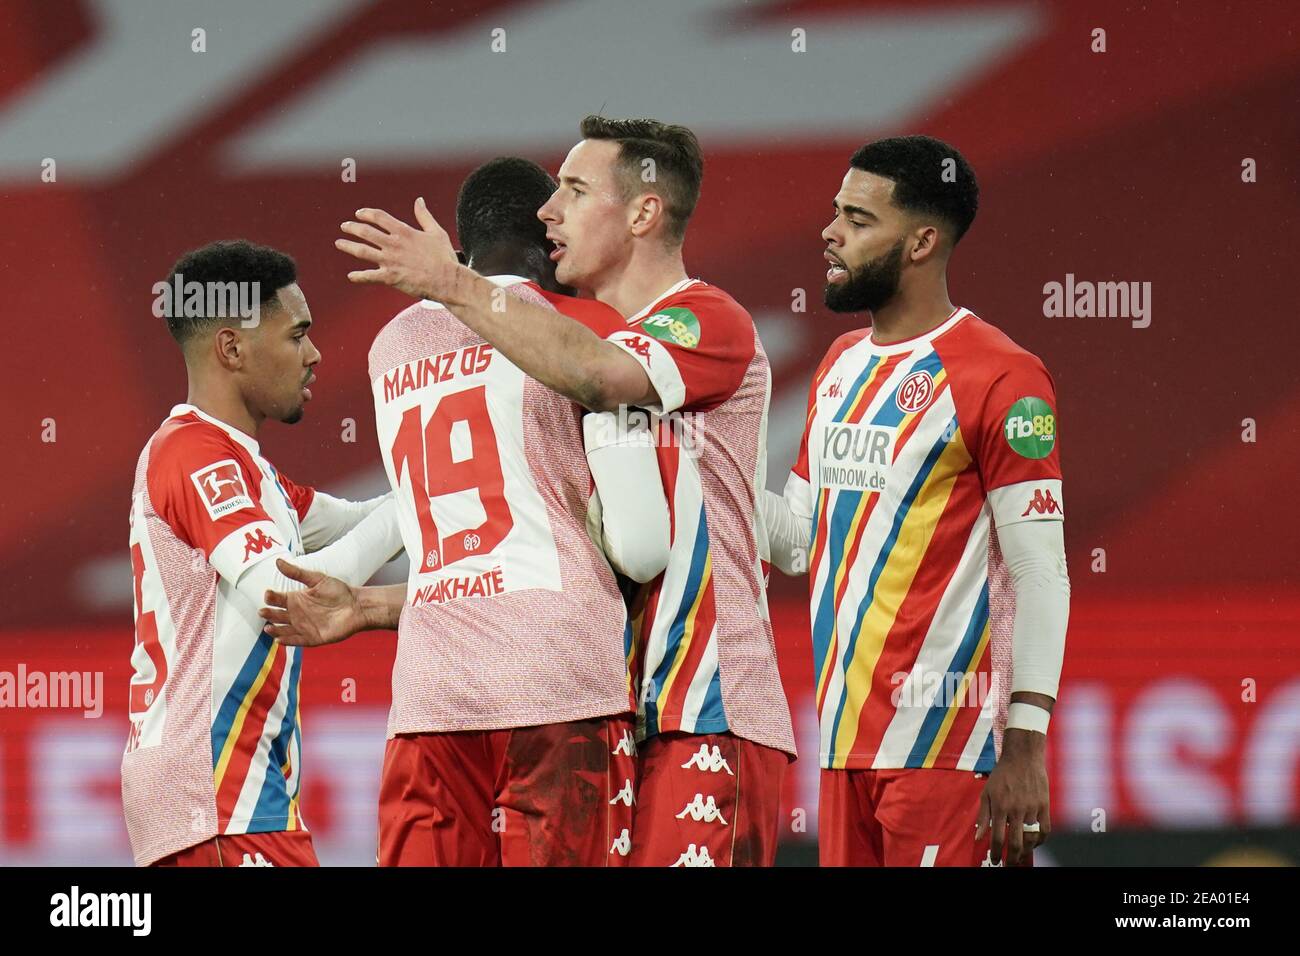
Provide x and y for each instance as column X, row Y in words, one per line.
column 553, row 795
column 921, row 817
column 707, row 800
column 281, row 848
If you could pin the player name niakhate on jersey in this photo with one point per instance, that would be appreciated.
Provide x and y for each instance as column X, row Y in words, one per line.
column 196, row 300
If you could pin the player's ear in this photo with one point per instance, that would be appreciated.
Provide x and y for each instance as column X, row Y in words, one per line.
column 925, row 243
column 229, row 347
column 647, row 210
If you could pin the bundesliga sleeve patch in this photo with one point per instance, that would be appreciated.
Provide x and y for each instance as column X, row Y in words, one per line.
column 221, row 488
column 676, row 325
column 1030, row 427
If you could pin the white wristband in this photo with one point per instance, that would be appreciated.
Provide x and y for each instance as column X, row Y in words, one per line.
column 1022, row 716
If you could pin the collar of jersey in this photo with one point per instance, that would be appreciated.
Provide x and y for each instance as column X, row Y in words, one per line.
column 671, row 290
column 907, row 345
column 498, row 280
column 248, row 441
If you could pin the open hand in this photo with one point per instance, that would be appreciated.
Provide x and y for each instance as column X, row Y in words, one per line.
column 420, row 262
column 326, row 612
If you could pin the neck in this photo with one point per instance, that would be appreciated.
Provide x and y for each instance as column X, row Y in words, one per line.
column 223, row 405
column 515, row 261
column 641, row 279
column 911, row 313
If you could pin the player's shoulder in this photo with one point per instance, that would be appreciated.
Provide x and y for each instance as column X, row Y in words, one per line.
column 597, row 316
column 185, row 436
column 396, row 327
column 411, row 333
column 415, row 316
column 700, row 315
column 843, row 343
column 528, row 290
column 976, row 348
column 186, row 447
column 706, row 300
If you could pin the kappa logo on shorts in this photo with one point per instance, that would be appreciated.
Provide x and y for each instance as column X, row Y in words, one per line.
column 259, row 861
column 221, row 487
column 623, row 845
column 710, row 762
column 702, row 809
column 692, row 856
column 625, row 795
column 626, row 745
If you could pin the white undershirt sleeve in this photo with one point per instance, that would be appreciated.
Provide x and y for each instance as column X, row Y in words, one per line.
column 789, row 525
column 354, row 558
column 1034, row 552
column 329, row 518
column 634, row 526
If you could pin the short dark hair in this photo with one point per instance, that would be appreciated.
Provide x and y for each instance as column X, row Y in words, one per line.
column 226, row 261
column 917, row 165
column 678, row 162
column 498, row 203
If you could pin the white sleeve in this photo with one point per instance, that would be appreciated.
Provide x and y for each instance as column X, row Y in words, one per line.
column 1034, row 552
column 329, row 518
column 354, row 558
column 788, row 519
column 634, row 527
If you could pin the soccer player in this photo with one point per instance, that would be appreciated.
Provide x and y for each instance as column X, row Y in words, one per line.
column 212, row 768
column 712, row 709
column 511, row 733
column 929, row 485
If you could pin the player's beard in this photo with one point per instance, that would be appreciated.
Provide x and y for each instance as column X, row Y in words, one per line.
column 291, row 411
column 870, row 286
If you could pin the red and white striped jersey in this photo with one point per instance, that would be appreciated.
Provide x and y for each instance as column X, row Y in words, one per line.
column 214, row 740
column 513, row 617
column 913, row 454
column 703, row 650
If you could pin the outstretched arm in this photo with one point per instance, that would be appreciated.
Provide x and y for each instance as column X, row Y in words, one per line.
column 354, row 558
column 327, row 610
column 330, row 518
column 552, row 348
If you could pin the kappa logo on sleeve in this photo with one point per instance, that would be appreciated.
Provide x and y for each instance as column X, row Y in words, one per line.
column 637, row 344
column 1042, row 503
column 676, row 325
column 221, row 487
column 257, row 543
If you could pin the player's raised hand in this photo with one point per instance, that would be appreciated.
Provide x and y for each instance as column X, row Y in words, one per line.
column 325, row 612
column 1016, row 797
column 420, row 262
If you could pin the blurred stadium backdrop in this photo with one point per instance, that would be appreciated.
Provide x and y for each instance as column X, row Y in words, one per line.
column 1177, row 735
